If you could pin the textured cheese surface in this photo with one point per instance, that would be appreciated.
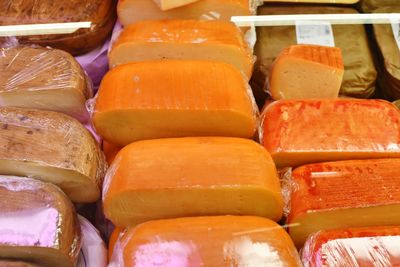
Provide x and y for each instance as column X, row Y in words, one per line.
column 169, row 178
column 37, row 223
column 296, row 132
column 182, row 39
column 52, row 147
column 173, row 99
column 325, row 194
column 206, row 241
column 306, row 71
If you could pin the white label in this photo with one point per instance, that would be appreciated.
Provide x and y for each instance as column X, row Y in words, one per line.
column 396, row 32
column 315, row 34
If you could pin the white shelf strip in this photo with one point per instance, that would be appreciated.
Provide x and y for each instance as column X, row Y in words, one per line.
column 284, row 20
column 38, row 29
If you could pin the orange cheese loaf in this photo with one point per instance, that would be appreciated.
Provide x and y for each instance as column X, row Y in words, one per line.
column 168, row 178
column 206, row 241
column 38, row 223
column 131, row 11
column 183, row 39
column 367, row 247
column 342, row 194
column 110, row 151
column 297, row 132
column 307, row 71
column 159, row 99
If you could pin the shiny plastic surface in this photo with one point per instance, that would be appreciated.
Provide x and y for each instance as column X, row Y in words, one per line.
column 37, row 223
column 206, row 241
column 356, row 247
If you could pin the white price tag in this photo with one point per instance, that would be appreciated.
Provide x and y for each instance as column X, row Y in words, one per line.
column 315, row 33
column 396, row 32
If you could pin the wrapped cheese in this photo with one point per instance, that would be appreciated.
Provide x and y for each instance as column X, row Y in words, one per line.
column 113, row 240
column 132, row 11
column 101, row 14
column 43, row 78
column 206, row 241
column 297, row 132
column 191, row 177
column 343, row 194
column 110, row 151
column 37, row 223
column 367, row 246
column 170, row 4
column 359, row 75
column 306, row 71
column 183, row 39
column 159, row 99
column 51, row 147
column 371, row 5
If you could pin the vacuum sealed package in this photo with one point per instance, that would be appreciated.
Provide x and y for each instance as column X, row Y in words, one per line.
column 43, row 78
column 359, row 70
column 38, row 223
column 52, row 147
column 100, row 13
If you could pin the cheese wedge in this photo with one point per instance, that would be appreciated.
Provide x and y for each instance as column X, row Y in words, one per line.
column 43, row 78
column 206, row 241
column 170, row 4
column 37, row 223
column 369, row 247
column 297, row 132
column 110, row 151
column 183, row 39
column 307, row 71
column 132, row 11
column 169, row 178
column 51, row 147
column 355, row 193
column 159, row 99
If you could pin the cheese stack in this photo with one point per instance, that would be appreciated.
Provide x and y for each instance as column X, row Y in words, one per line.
column 37, row 223
column 52, row 147
column 169, row 178
column 297, row 132
column 206, row 241
column 343, row 194
column 369, row 246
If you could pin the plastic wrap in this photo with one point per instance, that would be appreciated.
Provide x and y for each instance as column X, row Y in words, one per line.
column 356, row 247
column 37, row 77
column 343, row 194
column 206, row 241
column 209, row 98
column 101, row 13
column 37, row 223
column 52, row 147
column 360, row 74
column 297, row 132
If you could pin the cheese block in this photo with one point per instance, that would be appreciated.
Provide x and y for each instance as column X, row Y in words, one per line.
column 355, row 193
column 306, row 71
column 367, row 246
column 359, row 75
column 37, row 223
column 170, row 4
column 110, row 151
column 194, row 39
column 101, row 14
column 113, row 240
column 159, row 99
column 39, row 78
column 297, row 132
column 206, row 241
column 9, row 263
column 132, row 11
column 51, row 147
column 168, row 178
column 372, row 5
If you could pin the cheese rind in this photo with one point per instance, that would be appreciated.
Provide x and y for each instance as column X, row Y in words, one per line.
column 298, row 132
column 160, row 99
column 206, row 241
column 306, row 71
column 110, row 151
column 38, row 223
column 51, row 147
column 170, row 4
column 169, row 178
column 38, row 78
column 343, row 194
column 193, row 39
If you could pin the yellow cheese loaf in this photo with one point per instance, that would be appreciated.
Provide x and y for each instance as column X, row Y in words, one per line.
column 168, row 178
column 182, row 39
column 159, row 99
